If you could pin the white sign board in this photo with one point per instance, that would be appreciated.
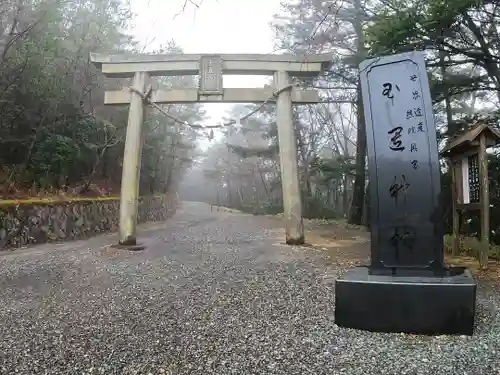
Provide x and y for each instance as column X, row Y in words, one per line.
column 465, row 180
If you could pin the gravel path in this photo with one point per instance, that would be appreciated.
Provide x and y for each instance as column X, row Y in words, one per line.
column 214, row 293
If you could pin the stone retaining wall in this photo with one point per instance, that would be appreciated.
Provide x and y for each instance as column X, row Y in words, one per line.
column 24, row 223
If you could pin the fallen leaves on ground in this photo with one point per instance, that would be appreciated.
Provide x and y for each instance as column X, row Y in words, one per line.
column 492, row 273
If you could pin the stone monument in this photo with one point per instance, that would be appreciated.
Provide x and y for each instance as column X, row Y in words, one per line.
column 407, row 287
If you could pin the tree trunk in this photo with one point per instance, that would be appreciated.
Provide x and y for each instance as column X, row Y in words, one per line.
column 356, row 212
column 345, row 194
column 366, row 211
column 358, row 194
column 452, row 128
column 268, row 196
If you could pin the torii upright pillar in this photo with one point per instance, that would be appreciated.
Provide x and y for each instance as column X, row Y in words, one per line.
column 131, row 169
column 292, row 204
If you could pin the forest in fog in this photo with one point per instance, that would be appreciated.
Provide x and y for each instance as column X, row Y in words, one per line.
column 57, row 137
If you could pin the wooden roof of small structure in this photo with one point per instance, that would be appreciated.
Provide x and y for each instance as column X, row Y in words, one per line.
column 468, row 139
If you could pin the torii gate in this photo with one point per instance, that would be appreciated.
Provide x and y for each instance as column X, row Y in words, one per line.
column 210, row 68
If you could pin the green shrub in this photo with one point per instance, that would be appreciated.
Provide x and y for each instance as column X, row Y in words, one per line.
column 470, row 246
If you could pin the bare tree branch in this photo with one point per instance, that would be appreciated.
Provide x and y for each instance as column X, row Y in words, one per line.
column 186, row 3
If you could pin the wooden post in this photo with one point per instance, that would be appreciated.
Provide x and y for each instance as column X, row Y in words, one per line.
column 455, row 246
column 485, row 203
column 292, row 205
column 132, row 164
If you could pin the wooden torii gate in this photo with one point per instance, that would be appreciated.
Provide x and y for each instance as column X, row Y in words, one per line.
column 210, row 68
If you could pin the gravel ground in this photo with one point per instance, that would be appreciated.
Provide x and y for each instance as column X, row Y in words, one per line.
column 214, row 293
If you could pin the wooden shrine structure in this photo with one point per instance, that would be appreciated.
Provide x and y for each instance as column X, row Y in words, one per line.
column 468, row 160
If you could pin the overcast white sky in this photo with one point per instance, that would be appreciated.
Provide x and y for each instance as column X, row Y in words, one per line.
column 217, row 26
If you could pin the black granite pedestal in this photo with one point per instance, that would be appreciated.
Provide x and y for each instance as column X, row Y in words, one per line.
column 412, row 304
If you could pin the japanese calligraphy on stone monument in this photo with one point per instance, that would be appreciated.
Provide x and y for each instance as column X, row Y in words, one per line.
column 401, row 154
